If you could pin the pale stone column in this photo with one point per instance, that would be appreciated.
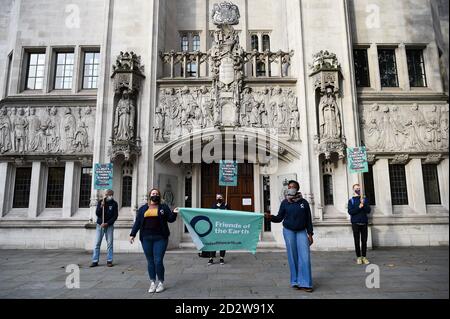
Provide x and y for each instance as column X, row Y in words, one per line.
column 416, row 191
column 37, row 189
column 5, row 188
column 402, row 67
column 382, row 186
column 69, row 191
column 443, row 181
column 374, row 67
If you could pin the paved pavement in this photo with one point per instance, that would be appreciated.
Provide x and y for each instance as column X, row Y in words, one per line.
column 404, row 273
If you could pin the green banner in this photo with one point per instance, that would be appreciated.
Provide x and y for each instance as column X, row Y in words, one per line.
column 217, row 229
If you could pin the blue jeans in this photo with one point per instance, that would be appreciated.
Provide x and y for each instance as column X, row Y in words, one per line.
column 154, row 249
column 297, row 246
column 109, row 234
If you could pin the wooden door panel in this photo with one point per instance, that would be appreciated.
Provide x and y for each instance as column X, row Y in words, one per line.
column 210, row 186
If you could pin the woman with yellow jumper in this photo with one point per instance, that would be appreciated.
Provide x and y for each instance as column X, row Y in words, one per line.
column 152, row 223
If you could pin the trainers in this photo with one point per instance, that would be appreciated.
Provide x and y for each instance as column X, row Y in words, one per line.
column 365, row 261
column 222, row 261
column 359, row 261
column 152, row 288
column 160, row 287
column 210, row 262
column 94, row 264
column 109, row 263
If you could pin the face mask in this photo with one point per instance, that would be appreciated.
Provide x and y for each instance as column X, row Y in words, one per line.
column 219, row 200
column 358, row 191
column 109, row 197
column 155, row 198
column 291, row 192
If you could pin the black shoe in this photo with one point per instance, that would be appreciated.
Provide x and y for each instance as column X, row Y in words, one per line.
column 210, row 262
column 109, row 264
column 222, row 261
column 93, row 265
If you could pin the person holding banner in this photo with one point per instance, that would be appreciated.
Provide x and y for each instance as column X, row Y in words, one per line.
column 152, row 224
column 219, row 204
column 359, row 208
column 295, row 214
column 107, row 212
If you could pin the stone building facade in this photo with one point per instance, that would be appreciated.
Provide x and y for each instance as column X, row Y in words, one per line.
column 165, row 89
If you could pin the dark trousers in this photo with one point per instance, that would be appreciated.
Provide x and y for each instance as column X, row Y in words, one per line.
column 360, row 236
column 222, row 254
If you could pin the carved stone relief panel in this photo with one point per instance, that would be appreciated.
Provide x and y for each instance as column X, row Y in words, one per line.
column 180, row 111
column 405, row 128
column 43, row 130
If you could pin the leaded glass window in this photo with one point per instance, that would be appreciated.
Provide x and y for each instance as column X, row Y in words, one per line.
column 388, row 67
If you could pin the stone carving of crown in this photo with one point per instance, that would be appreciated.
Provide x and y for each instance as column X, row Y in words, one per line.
column 128, row 61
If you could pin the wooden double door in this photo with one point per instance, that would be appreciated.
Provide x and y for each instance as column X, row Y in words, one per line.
column 240, row 197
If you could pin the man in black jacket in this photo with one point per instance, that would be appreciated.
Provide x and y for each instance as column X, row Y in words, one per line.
column 108, row 208
column 359, row 208
column 219, row 204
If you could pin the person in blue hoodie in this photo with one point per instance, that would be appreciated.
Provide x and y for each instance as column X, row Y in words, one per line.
column 359, row 208
column 295, row 214
column 152, row 224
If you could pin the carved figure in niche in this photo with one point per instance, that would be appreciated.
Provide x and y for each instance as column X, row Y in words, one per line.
column 197, row 116
column 69, row 127
column 53, row 138
column 21, row 132
column 329, row 118
column 433, row 128
column 35, row 137
column 124, row 118
column 294, row 127
column 159, row 124
column 5, row 131
column 415, row 128
column 81, row 140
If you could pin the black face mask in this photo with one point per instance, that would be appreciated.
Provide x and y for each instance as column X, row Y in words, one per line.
column 220, row 201
column 155, row 199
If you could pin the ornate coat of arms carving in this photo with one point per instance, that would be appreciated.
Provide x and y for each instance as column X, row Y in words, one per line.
column 225, row 13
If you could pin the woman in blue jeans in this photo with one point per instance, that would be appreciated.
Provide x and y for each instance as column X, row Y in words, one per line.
column 298, row 234
column 152, row 223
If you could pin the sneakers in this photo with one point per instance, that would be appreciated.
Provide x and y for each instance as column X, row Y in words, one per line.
column 365, row 261
column 109, row 263
column 222, row 262
column 160, row 287
column 359, row 261
column 94, row 264
column 152, row 288
column 210, row 262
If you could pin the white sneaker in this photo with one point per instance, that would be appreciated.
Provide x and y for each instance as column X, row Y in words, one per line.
column 152, row 288
column 160, row 287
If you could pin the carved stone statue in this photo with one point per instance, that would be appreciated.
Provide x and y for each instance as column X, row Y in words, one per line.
column 69, row 128
column 159, row 124
column 294, row 127
column 5, row 131
column 20, row 132
column 433, row 128
column 53, row 132
column 12, row 119
column 81, row 139
column 124, row 118
column 329, row 118
column 35, row 138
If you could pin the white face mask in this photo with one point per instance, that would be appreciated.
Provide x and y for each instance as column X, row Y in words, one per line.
column 109, row 197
